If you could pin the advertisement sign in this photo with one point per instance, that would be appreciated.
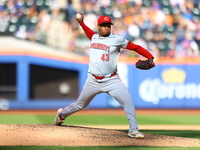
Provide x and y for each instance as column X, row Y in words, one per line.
column 169, row 86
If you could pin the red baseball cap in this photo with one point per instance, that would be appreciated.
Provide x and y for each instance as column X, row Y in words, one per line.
column 104, row 19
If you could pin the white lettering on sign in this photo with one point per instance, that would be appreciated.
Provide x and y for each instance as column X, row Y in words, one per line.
column 152, row 90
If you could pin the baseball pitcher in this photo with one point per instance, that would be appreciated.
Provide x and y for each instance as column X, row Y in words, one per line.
column 104, row 51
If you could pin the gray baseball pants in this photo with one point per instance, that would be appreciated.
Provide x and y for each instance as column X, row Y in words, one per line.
column 112, row 86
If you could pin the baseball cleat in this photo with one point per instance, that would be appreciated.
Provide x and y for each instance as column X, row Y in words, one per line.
column 136, row 134
column 58, row 120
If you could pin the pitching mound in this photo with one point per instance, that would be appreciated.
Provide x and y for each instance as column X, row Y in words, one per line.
column 48, row 134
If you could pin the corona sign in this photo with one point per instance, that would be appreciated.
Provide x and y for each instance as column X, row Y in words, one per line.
column 173, row 85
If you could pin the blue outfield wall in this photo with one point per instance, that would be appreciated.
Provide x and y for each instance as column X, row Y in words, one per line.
column 164, row 86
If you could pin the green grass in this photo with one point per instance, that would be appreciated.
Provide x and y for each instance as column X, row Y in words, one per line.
column 178, row 133
column 100, row 120
column 26, row 119
column 169, row 120
column 72, row 120
column 94, row 148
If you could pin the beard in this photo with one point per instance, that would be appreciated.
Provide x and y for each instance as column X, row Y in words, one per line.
column 105, row 35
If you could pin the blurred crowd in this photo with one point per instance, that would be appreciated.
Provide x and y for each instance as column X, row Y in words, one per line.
column 167, row 28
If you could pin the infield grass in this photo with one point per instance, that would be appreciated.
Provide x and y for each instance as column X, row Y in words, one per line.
column 178, row 133
column 101, row 120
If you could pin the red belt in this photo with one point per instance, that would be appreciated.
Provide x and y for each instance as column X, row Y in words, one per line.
column 102, row 77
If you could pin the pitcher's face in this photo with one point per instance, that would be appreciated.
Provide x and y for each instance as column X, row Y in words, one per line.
column 104, row 30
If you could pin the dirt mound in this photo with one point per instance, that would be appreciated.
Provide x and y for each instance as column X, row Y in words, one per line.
column 48, row 134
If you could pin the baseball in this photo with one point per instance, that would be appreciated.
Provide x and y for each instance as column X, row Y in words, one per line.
column 78, row 16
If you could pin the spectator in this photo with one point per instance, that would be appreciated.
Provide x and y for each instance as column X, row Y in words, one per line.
column 42, row 26
column 169, row 27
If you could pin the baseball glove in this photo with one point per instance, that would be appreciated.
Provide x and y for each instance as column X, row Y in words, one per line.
column 145, row 64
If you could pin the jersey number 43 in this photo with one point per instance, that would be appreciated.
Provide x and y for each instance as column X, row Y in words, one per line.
column 105, row 57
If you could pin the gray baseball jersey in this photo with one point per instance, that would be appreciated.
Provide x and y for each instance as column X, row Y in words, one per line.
column 104, row 53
